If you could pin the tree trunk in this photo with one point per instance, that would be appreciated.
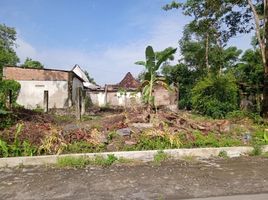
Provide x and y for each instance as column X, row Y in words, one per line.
column 258, row 34
column 265, row 85
column 264, row 51
column 207, row 64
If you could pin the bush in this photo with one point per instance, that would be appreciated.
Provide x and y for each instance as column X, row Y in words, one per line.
column 215, row 96
column 5, row 86
column 6, row 118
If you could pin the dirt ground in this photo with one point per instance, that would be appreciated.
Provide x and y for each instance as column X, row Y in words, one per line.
column 170, row 180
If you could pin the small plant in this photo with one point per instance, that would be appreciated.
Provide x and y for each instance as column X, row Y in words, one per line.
column 257, row 150
column 104, row 162
column 75, row 162
column 160, row 157
column 112, row 135
column 223, row 154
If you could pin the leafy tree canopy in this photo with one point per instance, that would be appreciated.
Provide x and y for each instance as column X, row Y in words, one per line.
column 7, row 43
column 29, row 63
column 91, row 80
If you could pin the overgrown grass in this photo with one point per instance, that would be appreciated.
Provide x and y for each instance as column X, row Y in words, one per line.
column 199, row 139
column 83, row 147
column 257, row 150
column 74, row 162
column 102, row 161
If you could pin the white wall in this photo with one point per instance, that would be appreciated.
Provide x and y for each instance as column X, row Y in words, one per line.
column 114, row 98
column 32, row 94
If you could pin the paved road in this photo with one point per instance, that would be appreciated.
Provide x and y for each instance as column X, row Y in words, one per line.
column 237, row 197
column 171, row 180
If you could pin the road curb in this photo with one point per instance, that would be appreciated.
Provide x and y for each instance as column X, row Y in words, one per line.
column 136, row 155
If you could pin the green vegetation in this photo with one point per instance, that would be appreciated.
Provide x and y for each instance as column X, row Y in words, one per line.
column 152, row 65
column 83, row 147
column 200, row 139
column 83, row 161
column 160, row 157
column 7, row 43
column 215, row 96
column 34, row 64
column 17, row 148
column 223, row 154
column 257, row 150
column 74, row 162
column 149, row 141
column 105, row 162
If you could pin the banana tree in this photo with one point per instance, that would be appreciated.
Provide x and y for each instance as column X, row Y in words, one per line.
column 151, row 67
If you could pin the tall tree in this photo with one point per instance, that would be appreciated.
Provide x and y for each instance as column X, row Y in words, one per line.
column 233, row 17
column 7, row 43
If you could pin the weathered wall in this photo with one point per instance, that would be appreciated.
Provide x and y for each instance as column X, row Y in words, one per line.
column 24, row 74
column 76, row 83
column 164, row 97
column 114, row 98
column 32, row 94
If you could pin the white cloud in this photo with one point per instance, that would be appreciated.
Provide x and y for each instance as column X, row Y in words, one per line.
column 107, row 65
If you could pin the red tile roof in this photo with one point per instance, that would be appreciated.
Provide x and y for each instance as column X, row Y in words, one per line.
column 129, row 82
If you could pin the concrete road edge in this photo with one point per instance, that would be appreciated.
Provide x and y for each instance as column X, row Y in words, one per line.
column 136, row 155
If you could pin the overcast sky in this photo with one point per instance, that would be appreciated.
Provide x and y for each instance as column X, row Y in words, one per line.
column 104, row 37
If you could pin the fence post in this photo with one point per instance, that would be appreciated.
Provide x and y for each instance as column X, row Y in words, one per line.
column 46, row 101
column 78, row 103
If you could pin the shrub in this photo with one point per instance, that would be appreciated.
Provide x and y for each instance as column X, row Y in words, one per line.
column 17, row 148
column 5, row 86
column 6, row 118
column 215, row 96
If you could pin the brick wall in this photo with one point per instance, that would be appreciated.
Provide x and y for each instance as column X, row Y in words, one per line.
column 23, row 74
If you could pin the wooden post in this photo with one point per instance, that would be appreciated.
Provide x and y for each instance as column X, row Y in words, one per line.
column 83, row 102
column 78, row 103
column 46, row 101
column 10, row 99
column 105, row 95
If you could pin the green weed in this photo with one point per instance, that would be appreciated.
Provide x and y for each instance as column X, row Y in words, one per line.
column 75, row 162
column 104, row 162
column 160, row 157
column 223, row 154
